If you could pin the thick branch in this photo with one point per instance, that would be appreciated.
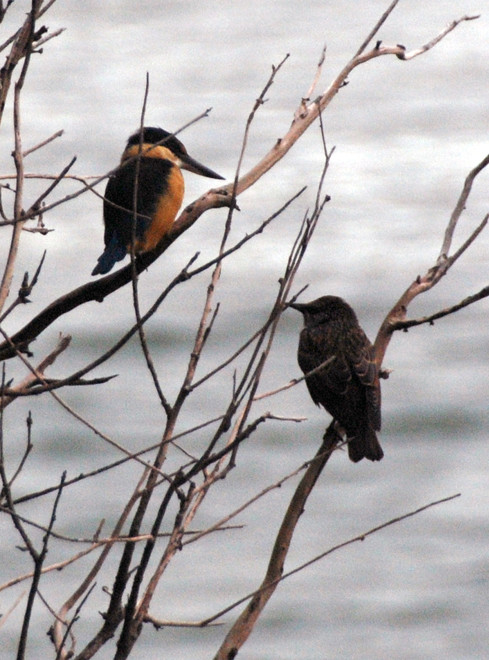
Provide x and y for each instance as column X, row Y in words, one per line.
column 97, row 290
column 243, row 626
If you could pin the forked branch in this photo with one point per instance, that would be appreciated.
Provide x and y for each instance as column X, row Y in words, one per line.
column 396, row 318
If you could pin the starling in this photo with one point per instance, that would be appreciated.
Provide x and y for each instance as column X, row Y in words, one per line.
column 348, row 387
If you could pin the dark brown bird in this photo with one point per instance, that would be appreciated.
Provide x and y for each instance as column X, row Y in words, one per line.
column 348, row 387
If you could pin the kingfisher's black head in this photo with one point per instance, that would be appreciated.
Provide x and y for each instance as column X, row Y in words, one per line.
column 152, row 135
column 155, row 135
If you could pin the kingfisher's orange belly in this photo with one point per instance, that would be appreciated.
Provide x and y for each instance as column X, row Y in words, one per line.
column 165, row 213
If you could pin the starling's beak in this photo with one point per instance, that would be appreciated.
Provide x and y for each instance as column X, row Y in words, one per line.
column 300, row 307
column 186, row 162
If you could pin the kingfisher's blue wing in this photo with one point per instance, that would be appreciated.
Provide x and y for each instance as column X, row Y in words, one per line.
column 152, row 176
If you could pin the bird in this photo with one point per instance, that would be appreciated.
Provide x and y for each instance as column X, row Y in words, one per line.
column 348, row 386
column 158, row 197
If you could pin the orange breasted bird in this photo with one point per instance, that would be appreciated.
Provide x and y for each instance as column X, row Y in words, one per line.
column 348, row 387
column 159, row 194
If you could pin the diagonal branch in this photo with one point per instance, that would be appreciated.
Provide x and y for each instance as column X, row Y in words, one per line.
column 469, row 300
column 243, row 626
column 460, row 206
column 214, row 198
column 356, row 539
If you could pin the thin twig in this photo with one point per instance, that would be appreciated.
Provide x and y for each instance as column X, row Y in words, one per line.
column 43, row 143
column 377, row 27
column 79, row 417
column 451, row 26
column 25, row 290
column 294, row 381
column 37, row 373
column 410, row 323
column 165, row 623
column 38, row 564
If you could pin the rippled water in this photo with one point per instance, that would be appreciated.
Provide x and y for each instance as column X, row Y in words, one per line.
column 406, row 134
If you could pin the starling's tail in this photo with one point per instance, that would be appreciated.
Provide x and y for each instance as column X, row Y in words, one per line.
column 365, row 446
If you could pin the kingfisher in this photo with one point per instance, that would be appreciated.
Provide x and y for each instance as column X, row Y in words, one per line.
column 155, row 202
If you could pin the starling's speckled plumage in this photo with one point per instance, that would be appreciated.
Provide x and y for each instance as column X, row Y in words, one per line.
column 348, row 387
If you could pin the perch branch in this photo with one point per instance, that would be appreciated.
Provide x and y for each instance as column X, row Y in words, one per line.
column 243, row 626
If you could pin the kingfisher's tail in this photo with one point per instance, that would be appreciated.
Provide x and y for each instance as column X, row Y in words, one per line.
column 113, row 253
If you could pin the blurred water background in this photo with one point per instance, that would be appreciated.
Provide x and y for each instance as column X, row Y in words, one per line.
column 406, row 135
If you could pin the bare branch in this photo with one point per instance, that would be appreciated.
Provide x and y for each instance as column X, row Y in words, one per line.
column 396, row 318
column 38, row 563
column 43, row 143
column 451, row 26
column 460, row 207
column 164, row 623
column 409, row 323
column 243, row 626
column 361, row 537
column 25, row 290
column 38, row 372
column 311, row 112
column 170, row 501
column 294, row 381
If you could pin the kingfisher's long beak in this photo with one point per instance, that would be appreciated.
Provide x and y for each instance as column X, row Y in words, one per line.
column 186, row 162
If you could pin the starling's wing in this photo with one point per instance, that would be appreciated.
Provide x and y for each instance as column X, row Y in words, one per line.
column 365, row 368
column 315, row 347
column 152, row 176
